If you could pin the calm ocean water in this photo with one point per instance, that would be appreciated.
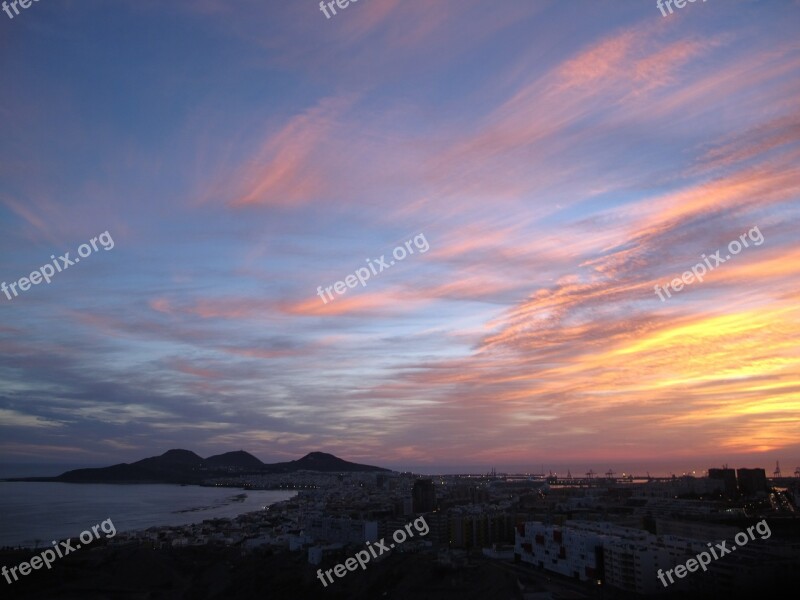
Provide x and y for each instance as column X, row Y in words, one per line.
column 50, row 511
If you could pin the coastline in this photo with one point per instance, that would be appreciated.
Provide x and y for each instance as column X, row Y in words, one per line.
column 34, row 512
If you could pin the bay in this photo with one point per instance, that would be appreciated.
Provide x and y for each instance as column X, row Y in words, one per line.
column 34, row 512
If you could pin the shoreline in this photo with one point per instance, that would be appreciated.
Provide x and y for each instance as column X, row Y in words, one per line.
column 172, row 511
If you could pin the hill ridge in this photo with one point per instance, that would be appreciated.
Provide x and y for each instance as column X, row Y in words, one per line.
column 179, row 465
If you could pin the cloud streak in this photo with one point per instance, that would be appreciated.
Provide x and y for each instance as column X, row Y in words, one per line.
column 560, row 162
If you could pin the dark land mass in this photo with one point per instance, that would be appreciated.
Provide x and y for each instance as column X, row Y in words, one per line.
column 184, row 466
column 221, row 573
column 239, row 459
column 217, row 573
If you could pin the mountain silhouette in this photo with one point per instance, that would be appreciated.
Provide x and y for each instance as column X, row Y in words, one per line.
column 238, row 459
column 320, row 461
column 184, row 466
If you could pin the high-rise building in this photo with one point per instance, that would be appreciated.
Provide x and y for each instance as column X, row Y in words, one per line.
column 424, row 496
column 752, row 481
column 478, row 529
column 728, row 478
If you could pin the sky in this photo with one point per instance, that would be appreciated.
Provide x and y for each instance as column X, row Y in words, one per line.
column 540, row 165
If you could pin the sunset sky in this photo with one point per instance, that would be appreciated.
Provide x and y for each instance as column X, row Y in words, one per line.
column 560, row 159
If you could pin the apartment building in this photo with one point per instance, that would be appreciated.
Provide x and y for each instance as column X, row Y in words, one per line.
column 622, row 557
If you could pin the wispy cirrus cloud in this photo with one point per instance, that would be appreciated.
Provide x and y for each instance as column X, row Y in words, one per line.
column 560, row 162
column 13, row 418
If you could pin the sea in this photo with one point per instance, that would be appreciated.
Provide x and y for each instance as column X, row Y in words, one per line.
column 33, row 513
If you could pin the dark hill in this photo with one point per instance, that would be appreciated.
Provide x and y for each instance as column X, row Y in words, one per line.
column 174, row 466
column 183, row 466
column 172, row 459
column 321, row 461
column 236, row 460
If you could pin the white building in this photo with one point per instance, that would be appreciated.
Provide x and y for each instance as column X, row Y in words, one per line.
column 625, row 558
column 633, row 565
column 567, row 551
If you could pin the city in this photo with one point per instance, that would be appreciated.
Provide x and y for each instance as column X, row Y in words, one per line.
column 540, row 532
